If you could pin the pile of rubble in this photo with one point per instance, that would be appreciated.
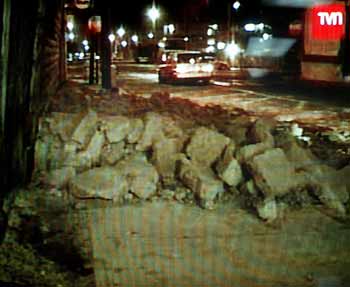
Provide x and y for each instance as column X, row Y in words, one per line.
column 123, row 159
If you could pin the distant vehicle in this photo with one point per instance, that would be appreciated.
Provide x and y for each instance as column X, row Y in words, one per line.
column 146, row 53
column 186, row 66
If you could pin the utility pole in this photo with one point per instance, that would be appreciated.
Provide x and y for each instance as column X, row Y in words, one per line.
column 346, row 45
column 106, row 46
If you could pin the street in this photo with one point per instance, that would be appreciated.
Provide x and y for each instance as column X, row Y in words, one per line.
column 284, row 99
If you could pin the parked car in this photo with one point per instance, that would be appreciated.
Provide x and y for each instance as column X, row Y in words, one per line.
column 186, row 66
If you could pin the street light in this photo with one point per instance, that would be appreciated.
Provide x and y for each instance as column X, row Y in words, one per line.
column 121, row 32
column 111, row 37
column 154, row 14
column 236, row 5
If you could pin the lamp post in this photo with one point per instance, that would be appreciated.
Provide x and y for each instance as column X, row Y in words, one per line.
column 235, row 6
column 154, row 14
column 94, row 26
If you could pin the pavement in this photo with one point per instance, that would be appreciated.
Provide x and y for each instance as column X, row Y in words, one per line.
column 169, row 244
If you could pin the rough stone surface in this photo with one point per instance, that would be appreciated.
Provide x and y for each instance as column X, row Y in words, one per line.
column 47, row 153
column 300, row 157
column 206, row 146
column 59, row 177
column 261, row 132
column 112, row 153
column 331, row 200
column 202, row 181
column 117, row 128
column 86, row 129
column 142, row 177
column 164, row 157
column 64, row 124
column 247, row 152
column 152, row 132
column 325, row 179
column 101, row 182
column 272, row 172
column 267, row 209
column 80, row 161
column 94, row 147
column 136, row 129
column 228, row 168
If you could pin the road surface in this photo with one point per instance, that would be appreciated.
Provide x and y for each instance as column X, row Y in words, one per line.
column 282, row 98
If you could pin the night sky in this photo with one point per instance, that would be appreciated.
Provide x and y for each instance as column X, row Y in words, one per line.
column 132, row 13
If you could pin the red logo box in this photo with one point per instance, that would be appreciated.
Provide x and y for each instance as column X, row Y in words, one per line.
column 328, row 22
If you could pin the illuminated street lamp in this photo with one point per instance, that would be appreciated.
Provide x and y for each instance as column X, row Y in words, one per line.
column 71, row 36
column 124, row 43
column 236, row 5
column 154, row 14
column 111, row 37
column 150, row 35
column 134, row 38
column 121, row 32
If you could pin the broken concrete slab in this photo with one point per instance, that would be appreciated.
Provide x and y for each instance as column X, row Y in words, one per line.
column 64, row 124
column 59, row 178
column 112, row 153
column 299, row 156
column 152, row 132
column 141, row 175
column 267, row 209
column 102, row 182
column 202, row 181
column 206, row 146
column 245, row 153
column 330, row 199
column 117, row 128
column 273, row 174
column 86, row 129
column 165, row 154
column 94, row 147
column 323, row 177
column 228, row 168
column 136, row 130
column 261, row 132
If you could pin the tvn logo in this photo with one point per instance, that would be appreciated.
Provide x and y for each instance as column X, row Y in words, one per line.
column 328, row 22
column 331, row 19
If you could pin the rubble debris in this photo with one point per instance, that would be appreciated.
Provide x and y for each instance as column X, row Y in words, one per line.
column 228, row 168
column 260, row 132
column 101, row 182
column 142, row 177
column 86, row 129
column 300, row 157
column 59, row 178
column 267, row 209
column 136, row 129
column 112, row 153
column 151, row 133
column 273, row 174
column 202, row 181
column 206, row 146
column 117, row 128
column 155, row 156
column 94, row 147
column 165, row 154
